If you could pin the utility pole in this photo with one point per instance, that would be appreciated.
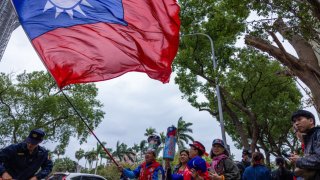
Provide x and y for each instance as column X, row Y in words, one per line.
column 217, row 87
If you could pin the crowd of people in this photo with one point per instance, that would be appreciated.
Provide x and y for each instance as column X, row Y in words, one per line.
column 192, row 166
column 28, row 160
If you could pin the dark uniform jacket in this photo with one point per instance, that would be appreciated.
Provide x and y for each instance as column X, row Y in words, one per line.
column 311, row 158
column 20, row 164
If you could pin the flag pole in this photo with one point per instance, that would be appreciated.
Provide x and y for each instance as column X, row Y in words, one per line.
column 82, row 119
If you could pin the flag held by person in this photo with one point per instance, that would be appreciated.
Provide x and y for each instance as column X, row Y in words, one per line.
column 83, row 41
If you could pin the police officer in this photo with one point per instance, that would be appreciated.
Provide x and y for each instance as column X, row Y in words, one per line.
column 23, row 160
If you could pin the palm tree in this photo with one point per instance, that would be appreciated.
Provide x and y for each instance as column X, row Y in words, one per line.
column 98, row 152
column 79, row 154
column 150, row 131
column 118, row 152
column 90, row 157
column 59, row 150
column 163, row 141
column 183, row 128
column 128, row 153
column 136, row 150
column 143, row 147
column 105, row 156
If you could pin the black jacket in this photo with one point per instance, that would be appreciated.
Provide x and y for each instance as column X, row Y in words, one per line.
column 20, row 164
column 281, row 174
column 311, row 158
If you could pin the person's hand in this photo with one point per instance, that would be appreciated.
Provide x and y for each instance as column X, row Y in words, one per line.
column 214, row 176
column 167, row 164
column 120, row 168
column 33, row 178
column 6, row 176
column 194, row 173
column 293, row 158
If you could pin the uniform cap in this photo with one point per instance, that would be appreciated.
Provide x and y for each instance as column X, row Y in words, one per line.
column 35, row 136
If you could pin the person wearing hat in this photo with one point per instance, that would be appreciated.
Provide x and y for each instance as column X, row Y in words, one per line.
column 222, row 166
column 23, row 160
column 196, row 164
column 304, row 121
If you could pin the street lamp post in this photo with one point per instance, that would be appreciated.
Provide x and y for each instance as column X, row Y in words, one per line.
column 217, row 86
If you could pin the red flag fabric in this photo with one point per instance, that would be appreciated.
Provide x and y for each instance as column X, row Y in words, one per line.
column 145, row 41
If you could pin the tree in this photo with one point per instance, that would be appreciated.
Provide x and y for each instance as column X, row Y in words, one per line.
column 150, row 131
column 59, row 150
column 163, row 141
column 32, row 100
column 118, row 151
column 90, row 156
column 103, row 155
column 182, row 129
column 98, row 153
column 64, row 165
column 123, row 152
column 297, row 22
column 136, row 150
column 143, row 148
column 79, row 154
column 256, row 101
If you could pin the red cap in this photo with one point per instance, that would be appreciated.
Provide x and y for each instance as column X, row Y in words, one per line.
column 199, row 146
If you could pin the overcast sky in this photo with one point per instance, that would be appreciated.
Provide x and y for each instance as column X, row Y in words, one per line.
column 132, row 103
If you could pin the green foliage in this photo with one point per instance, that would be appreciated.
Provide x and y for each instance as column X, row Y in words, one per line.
column 183, row 128
column 79, row 154
column 150, row 131
column 59, row 150
column 298, row 15
column 64, row 165
column 32, row 100
column 123, row 152
column 252, row 92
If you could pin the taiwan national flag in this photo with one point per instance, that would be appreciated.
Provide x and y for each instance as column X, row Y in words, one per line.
column 93, row 40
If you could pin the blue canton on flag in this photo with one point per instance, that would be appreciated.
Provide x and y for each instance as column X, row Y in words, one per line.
column 47, row 15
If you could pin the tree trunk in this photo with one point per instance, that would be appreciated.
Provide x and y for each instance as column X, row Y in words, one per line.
column 96, row 169
column 306, row 67
column 267, row 158
column 249, row 113
column 238, row 124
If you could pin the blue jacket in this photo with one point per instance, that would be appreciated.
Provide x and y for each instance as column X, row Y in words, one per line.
column 157, row 172
column 258, row 172
column 20, row 164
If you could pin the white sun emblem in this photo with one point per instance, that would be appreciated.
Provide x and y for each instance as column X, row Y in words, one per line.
column 67, row 6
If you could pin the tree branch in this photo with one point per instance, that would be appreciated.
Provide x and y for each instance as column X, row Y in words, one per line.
column 263, row 45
